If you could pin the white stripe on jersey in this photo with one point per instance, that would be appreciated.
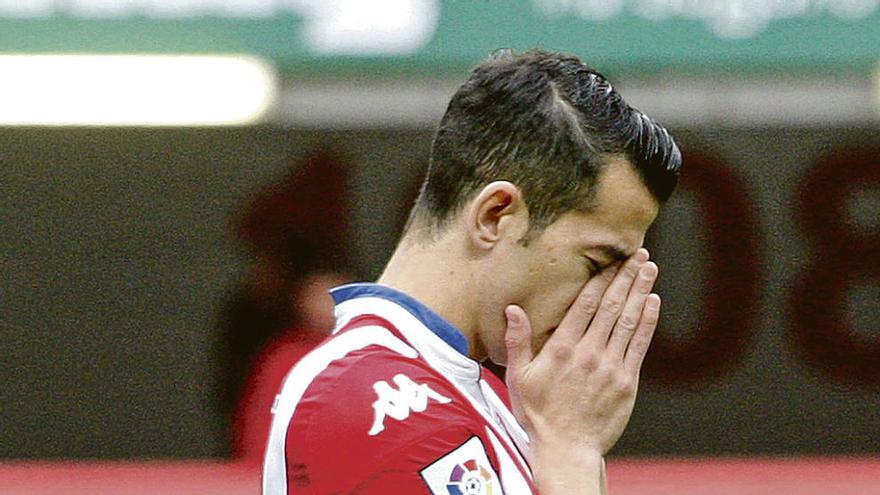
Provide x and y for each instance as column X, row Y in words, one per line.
column 511, row 425
column 299, row 379
column 511, row 479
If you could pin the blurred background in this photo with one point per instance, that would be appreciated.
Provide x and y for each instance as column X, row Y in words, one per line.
column 179, row 178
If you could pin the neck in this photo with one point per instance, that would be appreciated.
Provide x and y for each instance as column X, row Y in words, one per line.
column 445, row 287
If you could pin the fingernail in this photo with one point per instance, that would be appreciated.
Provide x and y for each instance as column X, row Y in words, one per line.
column 512, row 315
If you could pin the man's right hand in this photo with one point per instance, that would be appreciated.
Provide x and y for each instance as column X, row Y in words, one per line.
column 575, row 397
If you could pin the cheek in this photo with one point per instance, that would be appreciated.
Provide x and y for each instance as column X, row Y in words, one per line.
column 563, row 300
column 551, row 312
column 552, row 300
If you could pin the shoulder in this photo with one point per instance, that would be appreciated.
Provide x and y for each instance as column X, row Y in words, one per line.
column 374, row 391
column 374, row 409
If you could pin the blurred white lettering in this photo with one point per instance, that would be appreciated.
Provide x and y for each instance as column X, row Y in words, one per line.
column 726, row 18
column 338, row 27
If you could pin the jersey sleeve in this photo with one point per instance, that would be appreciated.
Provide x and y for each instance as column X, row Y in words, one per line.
column 252, row 418
column 383, row 423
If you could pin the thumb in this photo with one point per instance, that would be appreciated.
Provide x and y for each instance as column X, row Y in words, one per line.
column 518, row 338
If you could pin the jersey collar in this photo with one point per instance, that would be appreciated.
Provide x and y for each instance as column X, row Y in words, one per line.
column 429, row 318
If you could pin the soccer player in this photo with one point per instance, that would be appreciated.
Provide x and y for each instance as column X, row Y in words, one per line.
column 524, row 247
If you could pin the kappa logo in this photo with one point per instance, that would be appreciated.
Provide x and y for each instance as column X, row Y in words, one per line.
column 409, row 397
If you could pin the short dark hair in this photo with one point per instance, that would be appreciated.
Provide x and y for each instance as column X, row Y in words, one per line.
column 546, row 122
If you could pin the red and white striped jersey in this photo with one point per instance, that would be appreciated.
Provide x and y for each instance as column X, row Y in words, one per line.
column 391, row 403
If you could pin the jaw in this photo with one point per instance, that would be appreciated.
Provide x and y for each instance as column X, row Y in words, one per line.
column 478, row 350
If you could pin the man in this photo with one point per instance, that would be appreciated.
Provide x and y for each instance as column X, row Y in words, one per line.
column 524, row 247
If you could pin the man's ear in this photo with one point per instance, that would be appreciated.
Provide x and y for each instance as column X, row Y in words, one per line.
column 497, row 210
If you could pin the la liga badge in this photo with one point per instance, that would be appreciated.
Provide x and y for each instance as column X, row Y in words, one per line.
column 463, row 471
column 470, row 478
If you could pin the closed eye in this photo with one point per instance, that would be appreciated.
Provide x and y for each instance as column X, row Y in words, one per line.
column 593, row 266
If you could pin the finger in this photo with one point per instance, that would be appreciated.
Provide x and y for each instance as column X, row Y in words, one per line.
column 613, row 301
column 638, row 346
column 573, row 325
column 629, row 318
column 518, row 338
